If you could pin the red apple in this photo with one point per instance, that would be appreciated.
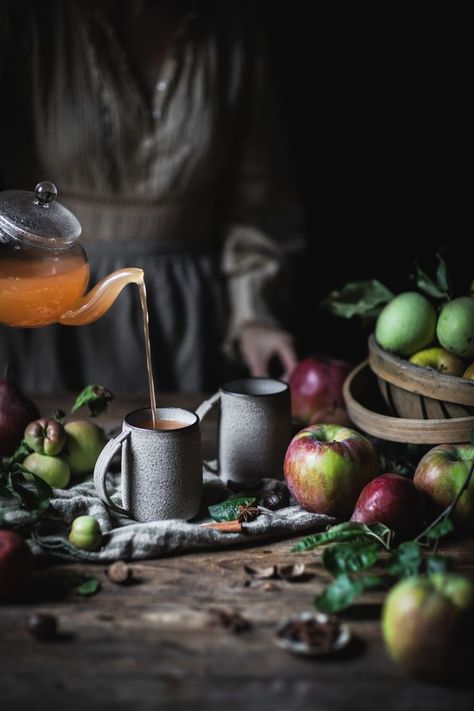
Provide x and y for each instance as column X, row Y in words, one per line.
column 427, row 625
column 440, row 474
column 16, row 411
column 15, row 563
column 316, row 385
column 327, row 466
column 393, row 500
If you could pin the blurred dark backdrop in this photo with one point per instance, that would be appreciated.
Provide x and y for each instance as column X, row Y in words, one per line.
column 376, row 104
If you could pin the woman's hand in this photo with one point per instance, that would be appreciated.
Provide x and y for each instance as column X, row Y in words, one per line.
column 259, row 344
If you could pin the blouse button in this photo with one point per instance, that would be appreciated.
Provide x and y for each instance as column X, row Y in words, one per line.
column 161, row 86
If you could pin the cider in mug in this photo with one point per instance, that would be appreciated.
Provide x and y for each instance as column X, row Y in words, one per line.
column 161, row 424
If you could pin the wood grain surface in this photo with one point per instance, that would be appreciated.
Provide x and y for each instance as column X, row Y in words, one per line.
column 160, row 643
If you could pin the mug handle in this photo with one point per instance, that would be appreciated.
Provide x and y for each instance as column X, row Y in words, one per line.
column 100, row 471
column 201, row 412
column 207, row 405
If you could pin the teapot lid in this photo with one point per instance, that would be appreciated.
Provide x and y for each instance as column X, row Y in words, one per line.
column 37, row 218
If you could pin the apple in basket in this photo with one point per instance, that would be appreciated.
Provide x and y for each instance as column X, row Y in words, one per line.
column 327, row 466
column 316, row 390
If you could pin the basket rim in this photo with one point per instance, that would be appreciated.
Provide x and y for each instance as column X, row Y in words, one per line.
column 400, row 429
column 422, row 381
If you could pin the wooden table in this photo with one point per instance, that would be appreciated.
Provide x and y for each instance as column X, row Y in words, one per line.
column 160, row 644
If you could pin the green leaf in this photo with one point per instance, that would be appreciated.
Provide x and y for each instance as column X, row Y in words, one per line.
column 345, row 532
column 405, row 560
column 426, row 284
column 442, row 275
column 85, row 585
column 344, row 590
column 471, row 437
column 439, row 564
column 26, row 490
column 351, row 557
column 360, row 298
column 441, row 529
column 96, row 397
column 59, row 416
column 20, row 453
column 228, row 510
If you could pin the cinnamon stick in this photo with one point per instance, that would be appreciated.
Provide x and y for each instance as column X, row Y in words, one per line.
column 225, row 526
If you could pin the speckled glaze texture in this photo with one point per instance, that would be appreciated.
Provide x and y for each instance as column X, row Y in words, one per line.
column 254, row 429
column 162, row 469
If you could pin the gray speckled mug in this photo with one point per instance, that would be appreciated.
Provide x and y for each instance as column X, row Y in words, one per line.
column 161, row 469
column 254, row 428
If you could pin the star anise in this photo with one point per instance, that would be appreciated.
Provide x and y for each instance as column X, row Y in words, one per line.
column 247, row 513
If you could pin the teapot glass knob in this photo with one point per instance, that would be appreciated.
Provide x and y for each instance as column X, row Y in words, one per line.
column 45, row 193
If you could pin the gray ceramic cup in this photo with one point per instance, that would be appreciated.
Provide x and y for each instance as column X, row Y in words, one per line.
column 161, row 472
column 254, row 428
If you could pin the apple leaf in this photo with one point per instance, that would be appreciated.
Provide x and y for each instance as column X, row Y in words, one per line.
column 441, row 529
column 228, row 510
column 439, row 564
column 96, row 397
column 439, row 288
column 85, row 585
column 20, row 453
column 405, row 560
column 351, row 557
column 344, row 590
column 427, row 284
column 359, row 298
column 346, row 532
column 442, row 275
column 59, row 416
column 32, row 494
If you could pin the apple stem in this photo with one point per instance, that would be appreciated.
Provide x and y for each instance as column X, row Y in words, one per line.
column 449, row 509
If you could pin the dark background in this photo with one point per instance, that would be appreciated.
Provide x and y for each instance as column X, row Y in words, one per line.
column 376, row 106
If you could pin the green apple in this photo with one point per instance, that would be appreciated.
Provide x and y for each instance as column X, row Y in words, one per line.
column 441, row 473
column 427, row 625
column 406, row 324
column 85, row 533
column 439, row 359
column 327, row 466
column 469, row 372
column 455, row 329
column 54, row 470
column 84, row 443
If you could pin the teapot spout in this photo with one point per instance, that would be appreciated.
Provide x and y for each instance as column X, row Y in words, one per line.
column 99, row 299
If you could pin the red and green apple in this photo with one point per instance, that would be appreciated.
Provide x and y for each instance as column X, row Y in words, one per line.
column 441, row 473
column 327, row 466
column 427, row 625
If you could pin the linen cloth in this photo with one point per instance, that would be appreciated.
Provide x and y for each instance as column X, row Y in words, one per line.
column 124, row 539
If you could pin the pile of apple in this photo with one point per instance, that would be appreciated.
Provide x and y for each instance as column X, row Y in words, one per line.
column 334, row 470
column 61, row 451
column 410, row 327
column 331, row 469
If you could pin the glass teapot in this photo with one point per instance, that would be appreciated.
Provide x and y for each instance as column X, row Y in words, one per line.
column 44, row 270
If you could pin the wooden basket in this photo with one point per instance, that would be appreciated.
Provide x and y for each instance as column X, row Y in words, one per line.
column 369, row 412
column 411, row 391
